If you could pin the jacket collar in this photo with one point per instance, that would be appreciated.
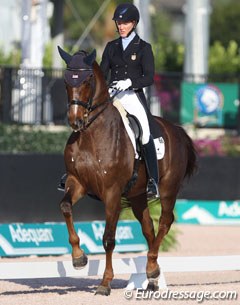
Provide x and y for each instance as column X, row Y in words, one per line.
column 132, row 47
column 135, row 41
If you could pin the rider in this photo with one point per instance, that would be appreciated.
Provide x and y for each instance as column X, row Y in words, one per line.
column 129, row 61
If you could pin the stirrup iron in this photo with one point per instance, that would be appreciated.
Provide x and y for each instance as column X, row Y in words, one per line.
column 152, row 189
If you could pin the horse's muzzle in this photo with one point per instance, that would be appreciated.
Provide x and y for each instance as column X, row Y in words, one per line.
column 77, row 125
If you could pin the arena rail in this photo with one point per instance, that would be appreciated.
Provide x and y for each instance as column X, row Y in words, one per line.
column 135, row 266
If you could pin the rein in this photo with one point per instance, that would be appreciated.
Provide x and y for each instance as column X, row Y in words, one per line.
column 89, row 108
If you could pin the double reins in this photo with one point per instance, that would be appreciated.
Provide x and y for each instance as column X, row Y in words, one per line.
column 89, row 107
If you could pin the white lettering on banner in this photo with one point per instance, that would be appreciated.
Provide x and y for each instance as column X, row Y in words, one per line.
column 123, row 232
column 232, row 210
column 98, row 230
column 30, row 235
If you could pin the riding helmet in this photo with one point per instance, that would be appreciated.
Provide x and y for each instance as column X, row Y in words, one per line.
column 126, row 12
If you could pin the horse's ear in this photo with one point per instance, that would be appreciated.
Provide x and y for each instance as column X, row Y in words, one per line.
column 65, row 56
column 90, row 58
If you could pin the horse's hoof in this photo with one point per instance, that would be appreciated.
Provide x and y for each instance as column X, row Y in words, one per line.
column 102, row 290
column 80, row 262
column 154, row 274
column 153, row 285
column 153, row 280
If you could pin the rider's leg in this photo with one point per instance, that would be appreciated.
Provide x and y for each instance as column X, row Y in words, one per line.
column 151, row 162
column 132, row 104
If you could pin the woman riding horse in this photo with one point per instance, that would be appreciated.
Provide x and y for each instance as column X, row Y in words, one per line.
column 99, row 159
column 129, row 61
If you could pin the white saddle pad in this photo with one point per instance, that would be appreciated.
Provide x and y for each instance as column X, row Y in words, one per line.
column 159, row 142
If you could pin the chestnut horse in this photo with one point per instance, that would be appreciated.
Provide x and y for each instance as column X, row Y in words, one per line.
column 99, row 159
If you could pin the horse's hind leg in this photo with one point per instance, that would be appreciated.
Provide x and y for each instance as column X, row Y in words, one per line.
column 165, row 221
column 79, row 259
column 141, row 212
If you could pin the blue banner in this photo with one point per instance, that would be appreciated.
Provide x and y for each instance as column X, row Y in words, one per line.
column 18, row 239
column 208, row 212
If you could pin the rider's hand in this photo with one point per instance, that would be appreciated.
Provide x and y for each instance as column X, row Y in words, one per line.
column 122, row 85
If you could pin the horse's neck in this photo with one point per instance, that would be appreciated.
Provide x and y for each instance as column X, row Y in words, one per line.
column 109, row 120
column 101, row 89
column 107, row 130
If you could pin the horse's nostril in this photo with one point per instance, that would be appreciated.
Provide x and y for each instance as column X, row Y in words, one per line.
column 76, row 125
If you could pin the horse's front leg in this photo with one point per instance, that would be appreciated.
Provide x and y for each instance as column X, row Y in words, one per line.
column 73, row 192
column 112, row 214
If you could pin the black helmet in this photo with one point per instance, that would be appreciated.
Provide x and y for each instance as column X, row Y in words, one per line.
column 126, row 12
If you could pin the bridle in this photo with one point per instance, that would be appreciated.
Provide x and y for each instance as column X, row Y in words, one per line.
column 88, row 105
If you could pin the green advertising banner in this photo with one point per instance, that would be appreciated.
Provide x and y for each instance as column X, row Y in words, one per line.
column 213, row 105
column 208, row 212
column 18, row 239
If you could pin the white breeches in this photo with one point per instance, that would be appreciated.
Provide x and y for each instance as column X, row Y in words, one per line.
column 132, row 105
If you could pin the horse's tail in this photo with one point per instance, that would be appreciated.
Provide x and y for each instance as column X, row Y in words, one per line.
column 192, row 165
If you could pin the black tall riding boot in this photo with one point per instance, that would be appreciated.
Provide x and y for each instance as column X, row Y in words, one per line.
column 151, row 162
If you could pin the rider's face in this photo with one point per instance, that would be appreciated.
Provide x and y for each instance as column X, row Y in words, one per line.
column 125, row 27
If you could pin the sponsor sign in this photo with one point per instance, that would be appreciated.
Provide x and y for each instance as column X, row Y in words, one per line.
column 18, row 239
column 208, row 212
column 206, row 104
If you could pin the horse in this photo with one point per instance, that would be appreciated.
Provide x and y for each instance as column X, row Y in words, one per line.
column 99, row 159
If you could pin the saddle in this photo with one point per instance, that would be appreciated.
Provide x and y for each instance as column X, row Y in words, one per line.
column 137, row 131
column 134, row 130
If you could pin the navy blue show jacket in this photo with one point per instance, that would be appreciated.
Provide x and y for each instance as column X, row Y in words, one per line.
column 135, row 62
